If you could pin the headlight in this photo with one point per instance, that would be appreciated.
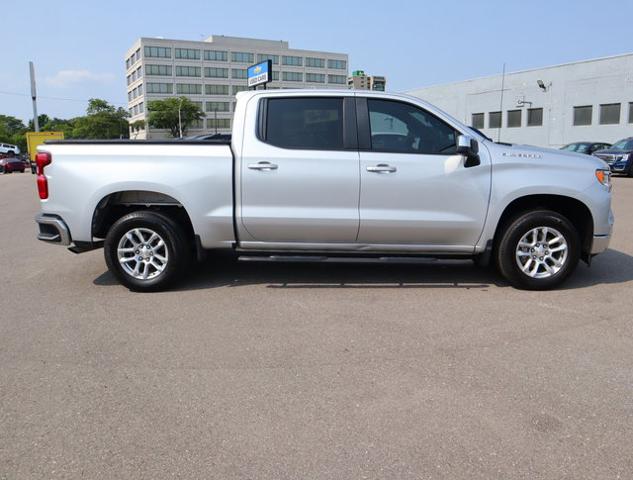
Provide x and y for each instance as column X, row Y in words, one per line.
column 604, row 177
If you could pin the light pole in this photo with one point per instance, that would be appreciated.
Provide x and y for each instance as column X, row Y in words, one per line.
column 179, row 117
column 36, row 123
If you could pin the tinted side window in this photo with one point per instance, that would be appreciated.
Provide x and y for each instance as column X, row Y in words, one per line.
column 305, row 123
column 403, row 128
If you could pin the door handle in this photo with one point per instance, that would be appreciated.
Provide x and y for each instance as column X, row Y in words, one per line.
column 382, row 168
column 262, row 166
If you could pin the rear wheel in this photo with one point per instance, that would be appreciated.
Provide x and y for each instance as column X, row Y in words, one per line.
column 146, row 251
column 538, row 250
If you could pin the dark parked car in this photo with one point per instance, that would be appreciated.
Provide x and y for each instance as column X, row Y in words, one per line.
column 9, row 164
column 586, row 147
column 619, row 156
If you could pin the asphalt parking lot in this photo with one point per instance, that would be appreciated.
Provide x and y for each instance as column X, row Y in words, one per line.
column 311, row 371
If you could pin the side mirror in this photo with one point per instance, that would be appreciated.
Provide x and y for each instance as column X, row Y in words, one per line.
column 469, row 147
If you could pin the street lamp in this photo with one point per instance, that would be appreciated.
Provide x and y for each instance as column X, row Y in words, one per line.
column 179, row 117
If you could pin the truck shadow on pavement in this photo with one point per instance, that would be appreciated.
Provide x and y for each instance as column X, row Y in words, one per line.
column 609, row 268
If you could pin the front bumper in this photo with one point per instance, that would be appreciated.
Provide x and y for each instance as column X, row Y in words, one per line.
column 52, row 229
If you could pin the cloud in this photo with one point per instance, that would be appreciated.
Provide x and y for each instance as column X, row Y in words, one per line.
column 67, row 78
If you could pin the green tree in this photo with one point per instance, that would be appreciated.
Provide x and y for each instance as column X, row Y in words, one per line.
column 59, row 125
column 42, row 119
column 13, row 130
column 102, row 121
column 164, row 114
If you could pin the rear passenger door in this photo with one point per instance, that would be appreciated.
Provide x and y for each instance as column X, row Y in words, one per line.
column 300, row 177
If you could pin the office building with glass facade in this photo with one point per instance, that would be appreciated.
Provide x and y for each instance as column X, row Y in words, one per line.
column 212, row 71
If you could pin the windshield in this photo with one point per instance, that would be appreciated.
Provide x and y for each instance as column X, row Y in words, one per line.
column 626, row 144
column 577, row 147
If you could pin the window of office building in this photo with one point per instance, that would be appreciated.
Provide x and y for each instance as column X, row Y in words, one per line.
column 188, row 88
column 218, row 123
column 477, row 120
column 215, row 72
column 534, row 117
column 158, row 52
column 582, row 115
column 337, row 64
column 196, row 124
column 290, row 60
column 610, row 114
column 315, row 62
column 217, row 106
column 292, row 77
column 242, row 57
column 275, row 75
column 187, row 71
column 514, row 118
column 338, row 79
column 152, row 87
column 216, row 89
column 238, row 73
column 315, row 77
column 238, row 88
column 187, row 53
column 162, row 70
column 216, row 55
column 262, row 57
column 494, row 120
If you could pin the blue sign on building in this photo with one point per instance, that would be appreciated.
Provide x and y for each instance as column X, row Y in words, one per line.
column 260, row 73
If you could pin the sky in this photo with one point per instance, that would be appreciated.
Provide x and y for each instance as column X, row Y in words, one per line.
column 78, row 46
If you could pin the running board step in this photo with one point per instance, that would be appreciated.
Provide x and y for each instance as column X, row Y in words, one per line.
column 325, row 259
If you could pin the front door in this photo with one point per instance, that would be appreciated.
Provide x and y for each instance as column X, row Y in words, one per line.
column 415, row 189
column 300, row 179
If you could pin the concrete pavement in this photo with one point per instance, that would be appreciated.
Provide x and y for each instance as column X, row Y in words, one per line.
column 262, row 371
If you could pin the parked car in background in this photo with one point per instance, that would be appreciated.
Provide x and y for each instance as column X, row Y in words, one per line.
column 10, row 149
column 10, row 164
column 619, row 156
column 585, row 147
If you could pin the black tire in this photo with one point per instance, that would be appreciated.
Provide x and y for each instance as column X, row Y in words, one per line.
column 178, row 249
column 514, row 231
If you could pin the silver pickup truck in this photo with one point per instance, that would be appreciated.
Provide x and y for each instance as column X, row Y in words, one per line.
column 326, row 176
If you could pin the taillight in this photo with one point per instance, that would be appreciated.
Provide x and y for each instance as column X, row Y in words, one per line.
column 41, row 160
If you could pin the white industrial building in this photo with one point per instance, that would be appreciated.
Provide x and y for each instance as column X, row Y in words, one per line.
column 590, row 100
column 212, row 71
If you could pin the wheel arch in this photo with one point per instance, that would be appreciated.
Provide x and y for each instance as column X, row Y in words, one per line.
column 115, row 205
column 578, row 213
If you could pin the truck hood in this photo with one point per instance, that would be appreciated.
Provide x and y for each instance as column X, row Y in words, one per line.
column 524, row 153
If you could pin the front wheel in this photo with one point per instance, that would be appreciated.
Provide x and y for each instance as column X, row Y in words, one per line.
column 146, row 251
column 538, row 250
